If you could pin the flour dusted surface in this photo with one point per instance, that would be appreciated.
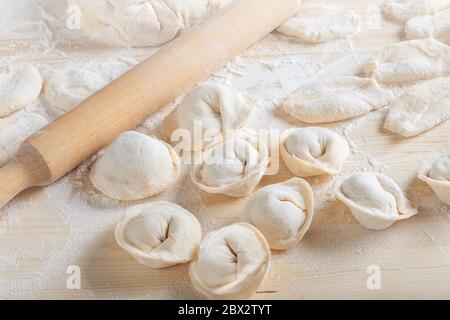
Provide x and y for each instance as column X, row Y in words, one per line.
column 44, row 231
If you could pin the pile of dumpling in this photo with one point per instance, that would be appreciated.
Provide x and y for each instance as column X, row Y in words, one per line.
column 230, row 263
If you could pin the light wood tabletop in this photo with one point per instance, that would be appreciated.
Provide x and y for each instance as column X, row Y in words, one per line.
column 46, row 234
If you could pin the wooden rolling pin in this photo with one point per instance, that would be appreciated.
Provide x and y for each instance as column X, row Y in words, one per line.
column 64, row 144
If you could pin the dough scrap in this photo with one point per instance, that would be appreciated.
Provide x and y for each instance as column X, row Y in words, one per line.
column 159, row 234
column 436, row 26
column 232, row 263
column 69, row 86
column 375, row 200
column 411, row 60
column 134, row 167
column 141, row 23
column 438, row 178
column 331, row 100
column 321, row 23
column 282, row 212
column 420, row 108
column 213, row 107
column 313, row 151
column 19, row 86
column 233, row 167
column 12, row 136
column 406, row 9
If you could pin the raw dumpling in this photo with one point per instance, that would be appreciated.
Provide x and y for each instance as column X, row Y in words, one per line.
column 19, row 87
column 337, row 99
column 321, row 23
column 282, row 212
column 436, row 26
column 134, row 167
column 412, row 60
column 141, row 22
column 211, row 108
column 68, row 87
column 233, row 168
column 12, row 136
column 420, row 108
column 313, row 151
column 438, row 178
column 406, row 9
column 159, row 234
column 375, row 200
column 232, row 263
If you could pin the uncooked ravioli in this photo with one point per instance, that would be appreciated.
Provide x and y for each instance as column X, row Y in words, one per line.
column 375, row 200
column 283, row 212
column 69, row 86
column 406, row 9
column 313, row 151
column 438, row 177
column 321, row 23
column 134, row 167
column 19, row 86
column 206, row 114
column 436, row 26
column 159, row 234
column 409, row 61
column 420, row 108
column 232, row 262
column 336, row 99
column 141, row 22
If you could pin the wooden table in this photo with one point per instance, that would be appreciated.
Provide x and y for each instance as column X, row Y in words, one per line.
column 44, row 232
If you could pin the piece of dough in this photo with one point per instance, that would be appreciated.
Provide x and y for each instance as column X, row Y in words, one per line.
column 406, row 9
column 436, row 26
column 420, row 108
column 19, row 86
column 313, row 151
column 232, row 263
column 321, row 23
column 412, row 60
column 330, row 100
column 213, row 109
column 69, row 86
column 283, row 212
column 141, row 22
column 233, row 168
column 12, row 136
column 134, row 167
column 438, row 178
column 375, row 200
column 159, row 234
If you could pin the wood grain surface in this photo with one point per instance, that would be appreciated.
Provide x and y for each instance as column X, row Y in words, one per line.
column 39, row 239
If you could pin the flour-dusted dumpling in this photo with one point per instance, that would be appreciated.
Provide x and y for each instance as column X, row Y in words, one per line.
column 134, row 167
column 283, row 212
column 159, row 234
column 406, row 9
column 12, row 136
column 69, row 86
column 337, row 99
column 438, row 178
column 313, row 151
column 321, row 23
column 207, row 112
column 436, row 26
column 408, row 61
column 232, row 263
column 420, row 108
column 141, row 22
column 375, row 200
column 233, row 168
column 19, row 86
